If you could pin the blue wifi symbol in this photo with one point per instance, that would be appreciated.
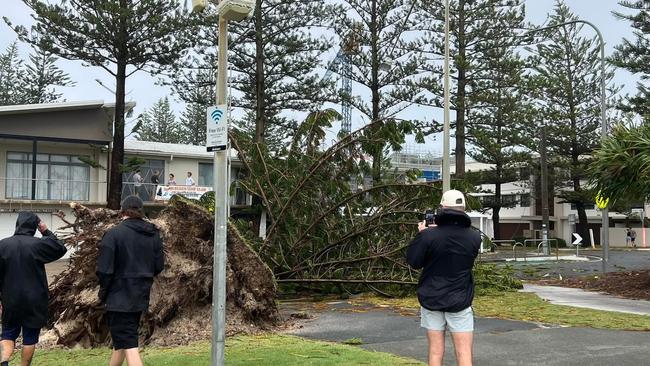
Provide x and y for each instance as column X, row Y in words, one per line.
column 216, row 115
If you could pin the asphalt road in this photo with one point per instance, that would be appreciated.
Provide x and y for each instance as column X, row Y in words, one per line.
column 497, row 342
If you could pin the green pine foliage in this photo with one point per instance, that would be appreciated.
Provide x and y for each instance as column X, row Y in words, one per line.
column 499, row 114
column 634, row 54
column 475, row 25
column 566, row 73
column 375, row 36
column 31, row 82
column 159, row 124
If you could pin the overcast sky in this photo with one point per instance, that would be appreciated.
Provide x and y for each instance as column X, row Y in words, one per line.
column 144, row 92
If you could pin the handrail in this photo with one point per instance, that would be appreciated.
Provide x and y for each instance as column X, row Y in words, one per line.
column 541, row 242
column 514, row 251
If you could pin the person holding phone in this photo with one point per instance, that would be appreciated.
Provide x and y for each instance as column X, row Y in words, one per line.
column 445, row 249
column 23, row 284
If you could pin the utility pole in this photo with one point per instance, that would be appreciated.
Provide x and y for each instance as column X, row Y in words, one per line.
column 221, row 189
column 446, row 175
column 544, row 189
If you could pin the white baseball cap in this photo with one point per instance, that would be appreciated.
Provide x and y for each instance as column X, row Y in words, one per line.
column 453, row 198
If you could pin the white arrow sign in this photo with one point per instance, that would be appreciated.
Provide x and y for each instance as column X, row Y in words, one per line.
column 578, row 239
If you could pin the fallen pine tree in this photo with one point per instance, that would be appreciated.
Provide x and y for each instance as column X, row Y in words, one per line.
column 181, row 295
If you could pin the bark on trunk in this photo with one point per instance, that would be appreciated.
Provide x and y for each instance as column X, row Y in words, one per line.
column 117, row 152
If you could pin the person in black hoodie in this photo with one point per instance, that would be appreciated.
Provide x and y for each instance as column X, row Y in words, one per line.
column 130, row 256
column 446, row 252
column 23, row 284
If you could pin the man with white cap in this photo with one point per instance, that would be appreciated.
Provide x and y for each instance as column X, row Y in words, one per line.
column 446, row 252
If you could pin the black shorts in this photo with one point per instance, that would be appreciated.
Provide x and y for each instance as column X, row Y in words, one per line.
column 124, row 329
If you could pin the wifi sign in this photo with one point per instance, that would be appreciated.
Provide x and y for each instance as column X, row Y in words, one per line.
column 216, row 115
column 217, row 128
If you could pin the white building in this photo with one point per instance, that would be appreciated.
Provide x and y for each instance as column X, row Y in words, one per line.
column 54, row 154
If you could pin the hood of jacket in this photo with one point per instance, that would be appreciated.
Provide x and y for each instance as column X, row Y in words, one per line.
column 27, row 224
column 140, row 226
column 453, row 217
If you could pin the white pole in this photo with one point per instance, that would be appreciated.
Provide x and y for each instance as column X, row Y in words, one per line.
column 446, row 175
column 221, row 187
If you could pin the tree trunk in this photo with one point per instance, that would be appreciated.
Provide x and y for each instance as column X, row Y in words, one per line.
column 260, row 95
column 378, row 149
column 461, row 93
column 117, row 153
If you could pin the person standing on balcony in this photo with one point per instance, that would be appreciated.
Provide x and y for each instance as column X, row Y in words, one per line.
column 23, row 284
column 189, row 181
column 172, row 180
column 130, row 256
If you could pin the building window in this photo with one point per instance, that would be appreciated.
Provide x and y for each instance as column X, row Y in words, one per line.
column 206, row 172
column 58, row 177
column 525, row 200
column 509, row 200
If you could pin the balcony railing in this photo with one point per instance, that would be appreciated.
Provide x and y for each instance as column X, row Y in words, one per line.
column 57, row 190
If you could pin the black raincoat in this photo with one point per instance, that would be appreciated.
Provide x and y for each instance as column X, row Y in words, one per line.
column 130, row 256
column 23, row 280
column 446, row 254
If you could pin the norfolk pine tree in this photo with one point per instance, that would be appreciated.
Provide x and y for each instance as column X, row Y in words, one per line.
column 274, row 60
column 566, row 70
column 158, row 124
column 634, row 55
column 473, row 22
column 499, row 116
column 385, row 59
column 30, row 83
column 120, row 36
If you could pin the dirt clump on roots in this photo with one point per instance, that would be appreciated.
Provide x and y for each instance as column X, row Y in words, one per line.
column 181, row 296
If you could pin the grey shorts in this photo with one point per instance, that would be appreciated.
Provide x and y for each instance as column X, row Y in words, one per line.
column 462, row 321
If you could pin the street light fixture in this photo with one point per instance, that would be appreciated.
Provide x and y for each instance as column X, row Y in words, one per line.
column 603, row 116
column 235, row 10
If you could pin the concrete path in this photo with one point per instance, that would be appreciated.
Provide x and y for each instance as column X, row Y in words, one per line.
column 496, row 342
column 588, row 299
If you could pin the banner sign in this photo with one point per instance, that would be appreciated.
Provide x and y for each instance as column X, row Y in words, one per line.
column 164, row 193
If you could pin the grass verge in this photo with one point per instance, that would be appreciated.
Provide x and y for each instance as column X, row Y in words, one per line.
column 530, row 307
column 246, row 350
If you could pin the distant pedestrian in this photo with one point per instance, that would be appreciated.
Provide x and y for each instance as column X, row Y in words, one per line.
column 628, row 237
column 445, row 251
column 189, row 181
column 155, row 178
column 130, row 256
column 23, row 284
column 633, row 238
column 172, row 180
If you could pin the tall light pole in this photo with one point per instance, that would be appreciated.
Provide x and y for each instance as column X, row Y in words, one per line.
column 221, row 189
column 604, row 238
column 235, row 10
column 446, row 175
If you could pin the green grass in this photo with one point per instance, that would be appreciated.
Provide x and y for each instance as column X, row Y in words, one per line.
column 261, row 350
column 529, row 307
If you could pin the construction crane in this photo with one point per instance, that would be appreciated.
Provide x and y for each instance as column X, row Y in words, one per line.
column 342, row 66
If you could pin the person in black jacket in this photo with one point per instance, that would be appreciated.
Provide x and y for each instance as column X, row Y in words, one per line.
column 446, row 252
column 130, row 256
column 23, row 284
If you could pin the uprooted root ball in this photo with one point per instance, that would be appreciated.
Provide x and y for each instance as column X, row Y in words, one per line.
column 181, row 295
